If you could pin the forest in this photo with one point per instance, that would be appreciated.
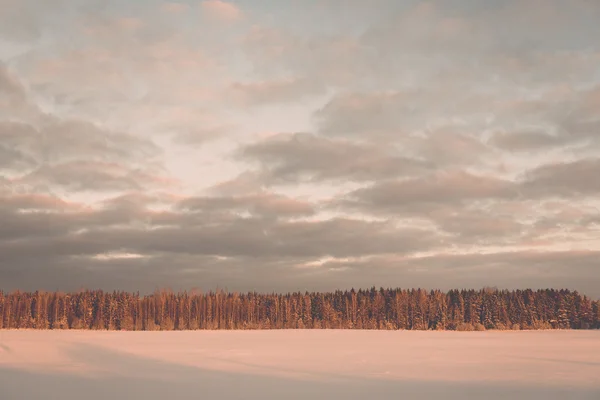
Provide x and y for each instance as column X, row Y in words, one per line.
column 412, row 309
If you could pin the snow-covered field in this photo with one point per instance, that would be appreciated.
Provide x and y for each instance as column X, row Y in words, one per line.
column 315, row 364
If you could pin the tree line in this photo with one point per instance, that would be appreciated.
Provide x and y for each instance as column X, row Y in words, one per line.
column 412, row 309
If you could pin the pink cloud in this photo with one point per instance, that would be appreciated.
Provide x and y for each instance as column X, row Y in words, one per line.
column 221, row 10
column 174, row 8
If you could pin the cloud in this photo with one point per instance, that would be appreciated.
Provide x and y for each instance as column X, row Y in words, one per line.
column 336, row 60
column 194, row 136
column 364, row 114
column 36, row 201
column 78, row 146
column 268, row 205
column 291, row 90
column 23, row 21
column 435, row 44
column 478, row 226
column 522, row 269
column 458, row 188
column 10, row 87
column 450, row 147
column 71, row 139
column 395, row 114
column 537, row 269
column 565, row 179
column 175, row 8
column 78, row 176
column 244, row 183
column 402, row 143
column 525, row 141
column 195, row 229
column 288, row 158
column 222, row 10
column 14, row 103
column 453, row 187
column 13, row 155
column 560, row 118
column 134, row 66
column 460, row 28
column 46, row 151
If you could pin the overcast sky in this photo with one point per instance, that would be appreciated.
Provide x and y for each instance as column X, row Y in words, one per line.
column 300, row 144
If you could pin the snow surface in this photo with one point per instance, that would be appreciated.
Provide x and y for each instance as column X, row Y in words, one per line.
column 299, row 364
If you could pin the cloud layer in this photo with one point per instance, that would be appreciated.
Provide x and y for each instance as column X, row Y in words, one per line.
column 242, row 145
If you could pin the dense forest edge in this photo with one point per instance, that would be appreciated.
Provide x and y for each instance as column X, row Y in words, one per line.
column 413, row 309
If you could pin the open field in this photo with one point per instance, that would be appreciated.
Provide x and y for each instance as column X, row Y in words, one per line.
column 297, row 364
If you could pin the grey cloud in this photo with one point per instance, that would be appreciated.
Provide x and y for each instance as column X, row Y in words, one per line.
column 31, row 226
column 435, row 63
column 346, row 238
column 562, row 118
column 476, row 209
column 14, row 101
column 452, row 187
column 275, row 91
column 25, row 20
column 198, row 136
column 395, row 115
column 31, row 216
column 45, row 217
column 24, row 29
column 53, row 230
column 333, row 59
column 45, row 150
column 298, row 157
column 567, row 179
column 145, row 275
column 117, row 60
column 544, row 218
column 457, row 187
column 507, row 39
column 264, row 205
column 56, row 140
column 237, row 238
column 450, row 117
column 11, row 89
column 32, row 201
column 303, row 157
column 69, row 139
column 581, row 131
column 415, row 92
column 80, row 176
column 13, row 159
column 79, row 156
column 449, row 147
column 438, row 43
column 525, row 141
column 244, row 183
column 518, row 270
column 528, row 265
column 592, row 221
column 462, row 27
column 582, row 123
column 426, row 28
column 20, row 143
column 366, row 114
column 514, row 270
column 141, row 199
column 478, row 226
column 591, row 102
column 251, row 237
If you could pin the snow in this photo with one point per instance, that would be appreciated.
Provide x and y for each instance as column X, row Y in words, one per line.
column 299, row 364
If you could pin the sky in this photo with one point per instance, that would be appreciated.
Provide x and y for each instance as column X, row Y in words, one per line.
column 299, row 145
